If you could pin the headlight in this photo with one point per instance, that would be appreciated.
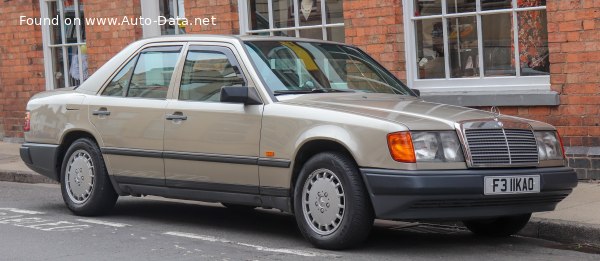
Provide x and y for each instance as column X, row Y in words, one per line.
column 549, row 145
column 425, row 146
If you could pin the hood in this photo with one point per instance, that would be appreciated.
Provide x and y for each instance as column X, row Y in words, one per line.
column 414, row 113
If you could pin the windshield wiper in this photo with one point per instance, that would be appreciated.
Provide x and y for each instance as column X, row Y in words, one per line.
column 315, row 90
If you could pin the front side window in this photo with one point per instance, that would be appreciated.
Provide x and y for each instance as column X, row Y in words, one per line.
column 479, row 39
column 153, row 71
column 317, row 19
column 205, row 73
column 290, row 67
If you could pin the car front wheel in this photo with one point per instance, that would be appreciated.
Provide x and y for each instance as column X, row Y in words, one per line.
column 85, row 185
column 331, row 204
column 498, row 227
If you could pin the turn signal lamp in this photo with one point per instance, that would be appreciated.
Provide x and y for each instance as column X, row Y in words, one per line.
column 401, row 147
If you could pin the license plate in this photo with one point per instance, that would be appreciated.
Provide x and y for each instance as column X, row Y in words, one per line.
column 511, row 184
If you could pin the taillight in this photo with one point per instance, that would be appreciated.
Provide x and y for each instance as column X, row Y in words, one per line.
column 27, row 123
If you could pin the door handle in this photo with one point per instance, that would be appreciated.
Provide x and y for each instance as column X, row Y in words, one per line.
column 101, row 112
column 176, row 116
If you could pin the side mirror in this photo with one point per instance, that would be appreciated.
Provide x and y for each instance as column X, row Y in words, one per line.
column 417, row 92
column 236, row 94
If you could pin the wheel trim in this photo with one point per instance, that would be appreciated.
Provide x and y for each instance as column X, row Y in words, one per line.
column 79, row 176
column 323, row 201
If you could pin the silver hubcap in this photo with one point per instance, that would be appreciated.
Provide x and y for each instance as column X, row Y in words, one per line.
column 323, row 201
column 79, row 176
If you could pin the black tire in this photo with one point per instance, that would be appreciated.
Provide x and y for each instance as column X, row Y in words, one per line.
column 102, row 196
column 498, row 227
column 238, row 207
column 358, row 215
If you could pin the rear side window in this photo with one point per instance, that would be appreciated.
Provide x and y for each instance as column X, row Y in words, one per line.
column 119, row 84
column 153, row 72
column 204, row 74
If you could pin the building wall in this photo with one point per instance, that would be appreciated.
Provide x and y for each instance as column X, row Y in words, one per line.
column 226, row 12
column 104, row 41
column 21, row 64
column 377, row 27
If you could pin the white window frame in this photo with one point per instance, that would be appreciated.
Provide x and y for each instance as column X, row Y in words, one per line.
column 245, row 20
column 151, row 9
column 499, row 84
column 47, row 45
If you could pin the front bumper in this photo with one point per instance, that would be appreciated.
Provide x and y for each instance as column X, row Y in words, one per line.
column 458, row 194
column 41, row 158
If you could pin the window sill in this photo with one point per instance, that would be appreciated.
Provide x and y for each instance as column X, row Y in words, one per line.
column 479, row 98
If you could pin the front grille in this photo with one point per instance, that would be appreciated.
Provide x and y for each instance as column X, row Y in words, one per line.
column 501, row 147
column 490, row 202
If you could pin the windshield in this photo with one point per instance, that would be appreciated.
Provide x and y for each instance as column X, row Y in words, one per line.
column 289, row 67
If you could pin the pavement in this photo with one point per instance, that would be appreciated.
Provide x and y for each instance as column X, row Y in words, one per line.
column 576, row 219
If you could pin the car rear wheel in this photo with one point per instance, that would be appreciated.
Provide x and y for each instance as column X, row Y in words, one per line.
column 85, row 185
column 331, row 204
column 498, row 227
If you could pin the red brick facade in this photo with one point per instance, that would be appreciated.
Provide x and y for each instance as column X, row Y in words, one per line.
column 21, row 63
column 378, row 28
column 226, row 12
column 104, row 41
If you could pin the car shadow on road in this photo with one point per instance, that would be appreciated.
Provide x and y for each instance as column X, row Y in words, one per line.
column 386, row 237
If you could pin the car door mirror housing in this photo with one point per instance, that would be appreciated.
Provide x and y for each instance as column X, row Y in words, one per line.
column 237, row 94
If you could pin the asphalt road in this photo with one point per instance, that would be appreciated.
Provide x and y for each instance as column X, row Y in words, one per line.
column 35, row 225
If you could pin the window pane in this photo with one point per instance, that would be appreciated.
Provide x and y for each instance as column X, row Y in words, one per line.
column 55, row 32
column 498, row 51
column 57, row 65
column 428, row 7
column 495, row 4
column 310, row 12
column 259, row 14
column 336, row 34
column 430, row 49
column 531, row 3
column 283, row 13
column 167, row 10
column 152, row 74
column 334, row 11
column 119, row 84
column 533, row 43
column 462, row 43
column 204, row 73
column 315, row 33
column 461, row 6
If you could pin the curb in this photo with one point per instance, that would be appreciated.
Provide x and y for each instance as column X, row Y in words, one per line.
column 567, row 232
column 24, row 177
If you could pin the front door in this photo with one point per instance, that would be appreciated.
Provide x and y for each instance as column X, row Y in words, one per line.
column 129, row 115
column 210, row 145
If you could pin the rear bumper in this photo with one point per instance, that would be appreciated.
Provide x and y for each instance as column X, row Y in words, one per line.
column 41, row 158
column 458, row 194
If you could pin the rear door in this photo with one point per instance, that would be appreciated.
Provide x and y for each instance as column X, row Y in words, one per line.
column 210, row 145
column 129, row 115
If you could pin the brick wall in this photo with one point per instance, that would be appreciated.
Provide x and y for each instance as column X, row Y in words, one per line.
column 377, row 27
column 225, row 12
column 21, row 63
column 104, row 41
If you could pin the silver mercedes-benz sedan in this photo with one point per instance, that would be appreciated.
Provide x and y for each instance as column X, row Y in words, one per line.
column 317, row 129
